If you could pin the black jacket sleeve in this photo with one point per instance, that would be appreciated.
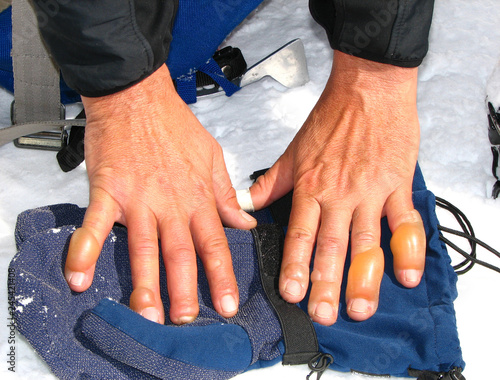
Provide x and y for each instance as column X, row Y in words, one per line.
column 104, row 46
column 386, row 31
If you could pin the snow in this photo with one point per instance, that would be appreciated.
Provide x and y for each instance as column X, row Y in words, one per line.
column 256, row 124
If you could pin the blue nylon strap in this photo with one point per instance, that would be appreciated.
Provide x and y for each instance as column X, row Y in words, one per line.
column 186, row 88
column 186, row 84
column 212, row 69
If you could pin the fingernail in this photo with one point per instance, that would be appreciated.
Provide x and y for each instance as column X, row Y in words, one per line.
column 412, row 275
column 151, row 313
column 360, row 305
column 228, row 304
column 247, row 216
column 186, row 319
column 76, row 278
column 324, row 310
column 293, row 288
column 244, row 199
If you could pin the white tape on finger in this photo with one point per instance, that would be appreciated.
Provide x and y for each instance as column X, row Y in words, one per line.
column 245, row 200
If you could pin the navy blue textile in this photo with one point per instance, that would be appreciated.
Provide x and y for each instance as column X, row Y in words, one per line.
column 87, row 335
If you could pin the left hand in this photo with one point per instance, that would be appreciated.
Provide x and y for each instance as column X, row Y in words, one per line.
column 350, row 164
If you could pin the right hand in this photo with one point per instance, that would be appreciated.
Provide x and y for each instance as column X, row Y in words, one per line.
column 154, row 168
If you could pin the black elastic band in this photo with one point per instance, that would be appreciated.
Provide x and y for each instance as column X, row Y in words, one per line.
column 453, row 374
column 469, row 235
column 301, row 343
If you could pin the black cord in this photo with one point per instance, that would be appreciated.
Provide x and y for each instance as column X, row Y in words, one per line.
column 467, row 233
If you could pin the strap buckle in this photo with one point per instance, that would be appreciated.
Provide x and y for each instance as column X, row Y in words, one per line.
column 53, row 139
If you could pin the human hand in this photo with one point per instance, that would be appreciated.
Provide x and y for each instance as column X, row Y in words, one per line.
column 153, row 168
column 351, row 163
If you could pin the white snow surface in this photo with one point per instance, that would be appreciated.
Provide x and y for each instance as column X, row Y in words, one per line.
column 255, row 125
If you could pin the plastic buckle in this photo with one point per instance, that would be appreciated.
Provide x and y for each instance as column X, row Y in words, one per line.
column 53, row 139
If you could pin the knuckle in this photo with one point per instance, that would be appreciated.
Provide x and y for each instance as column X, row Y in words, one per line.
column 145, row 248
column 364, row 237
column 213, row 246
column 181, row 255
column 331, row 246
column 411, row 216
column 301, row 234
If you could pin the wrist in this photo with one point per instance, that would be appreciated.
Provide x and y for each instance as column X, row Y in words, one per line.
column 137, row 98
column 369, row 75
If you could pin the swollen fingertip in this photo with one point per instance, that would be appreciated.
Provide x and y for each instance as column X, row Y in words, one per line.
column 324, row 311
column 151, row 313
column 292, row 289
column 76, row 280
column 410, row 277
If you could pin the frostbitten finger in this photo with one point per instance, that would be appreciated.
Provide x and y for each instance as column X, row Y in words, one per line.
column 363, row 283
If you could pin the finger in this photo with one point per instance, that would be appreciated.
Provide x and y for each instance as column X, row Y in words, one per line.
column 364, row 283
column 180, row 264
column 299, row 243
column 212, row 247
column 326, row 278
column 144, row 261
column 274, row 184
column 408, row 242
column 230, row 212
column 143, row 299
column 86, row 243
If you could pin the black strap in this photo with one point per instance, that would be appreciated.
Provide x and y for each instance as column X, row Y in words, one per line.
column 453, row 374
column 72, row 153
column 301, row 343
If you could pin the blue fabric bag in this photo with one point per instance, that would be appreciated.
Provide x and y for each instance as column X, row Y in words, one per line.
column 95, row 335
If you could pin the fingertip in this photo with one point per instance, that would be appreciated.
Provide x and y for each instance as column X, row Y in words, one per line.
column 144, row 302
column 233, row 211
column 409, row 278
column 363, row 284
column 408, row 246
column 248, row 219
column 324, row 302
column 228, row 306
column 360, row 309
column 79, row 281
column 184, row 312
column 323, row 313
column 292, row 291
column 83, row 251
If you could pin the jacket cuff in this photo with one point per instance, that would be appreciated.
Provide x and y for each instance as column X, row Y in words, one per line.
column 387, row 31
column 104, row 46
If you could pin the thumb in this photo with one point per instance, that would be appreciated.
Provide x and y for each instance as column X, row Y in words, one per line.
column 274, row 184
column 162, row 350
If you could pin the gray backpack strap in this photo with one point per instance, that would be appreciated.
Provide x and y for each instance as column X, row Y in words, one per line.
column 37, row 105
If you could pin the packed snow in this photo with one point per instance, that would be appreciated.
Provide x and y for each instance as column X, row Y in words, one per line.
column 255, row 125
